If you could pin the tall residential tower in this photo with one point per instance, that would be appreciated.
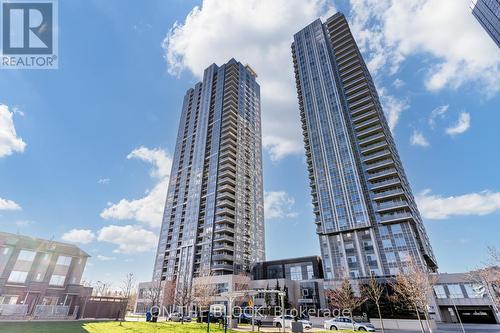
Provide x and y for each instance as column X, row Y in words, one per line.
column 213, row 221
column 487, row 12
column 366, row 216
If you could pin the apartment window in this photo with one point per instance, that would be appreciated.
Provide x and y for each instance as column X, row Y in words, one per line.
column 26, row 255
column 439, row 291
column 404, row 255
column 57, row 280
column 390, row 257
column 400, row 241
column 18, row 276
column 384, row 231
column 387, row 243
column 354, row 274
column 63, row 261
column 471, row 293
column 393, row 270
column 6, row 299
column 396, row 229
column 310, row 272
column 455, row 291
column 296, row 273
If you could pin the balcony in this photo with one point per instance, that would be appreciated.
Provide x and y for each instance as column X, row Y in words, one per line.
column 358, row 95
column 371, row 139
column 376, row 156
column 223, row 246
column 390, row 205
column 225, row 220
column 373, row 147
column 359, row 103
column 369, row 112
column 226, row 203
column 388, row 194
column 222, row 237
column 226, row 188
column 227, row 180
column 227, row 167
column 369, row 131
column 367, row 123
column 381, row 164
column 225, row 211
column 381, row 174
column 385, row 183
column 224, row 228
column 360, row 109
column 386, row 218
column 228, row 159
column 225, row 267
column 226, row 195
column 223, row 256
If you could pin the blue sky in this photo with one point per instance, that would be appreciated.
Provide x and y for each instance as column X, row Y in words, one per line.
column 85, row 150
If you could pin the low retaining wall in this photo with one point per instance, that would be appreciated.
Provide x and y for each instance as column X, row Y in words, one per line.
column 403, row 324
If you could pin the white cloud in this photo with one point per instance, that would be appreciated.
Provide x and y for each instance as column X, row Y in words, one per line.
column 83, row 236
column 24, row 223
column 393, row 107
column 390, row 31
column 105, row 258
column 398, row 83
column 257, row 32
column 103, row 181
column 128, row 238
column 148, row 209
column 418, row 139
column 6, row 204
column 9, row 141
column 278, row 205
column 461, row 126
column 437, row 207
column 438, row 112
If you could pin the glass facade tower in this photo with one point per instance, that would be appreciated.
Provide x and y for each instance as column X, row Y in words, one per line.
column 213, row 221
column 366, row 216
column 487, row 12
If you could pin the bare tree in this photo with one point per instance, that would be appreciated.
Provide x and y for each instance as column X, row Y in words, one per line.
column 344, row 299
column 373, row 290
column 183, row 295
column 169, row 288
column 487, row 277
column 154, row 292
column 102, row 288
column 127, row 289
column 413, row 286
column 204, row 291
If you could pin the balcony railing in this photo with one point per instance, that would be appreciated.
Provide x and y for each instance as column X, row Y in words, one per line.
column 13, row 310
column 395, row 216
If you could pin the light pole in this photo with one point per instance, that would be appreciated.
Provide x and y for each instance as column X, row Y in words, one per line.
column 456, row 311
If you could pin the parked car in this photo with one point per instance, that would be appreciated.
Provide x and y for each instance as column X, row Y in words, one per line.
column 278, row 322
column 177, row 317
column 345, row 323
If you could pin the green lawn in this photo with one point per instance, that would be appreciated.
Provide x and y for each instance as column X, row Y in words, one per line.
column 110, row 327
column 105, row 327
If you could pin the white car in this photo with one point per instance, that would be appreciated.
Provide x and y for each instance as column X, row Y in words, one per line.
column 345, row 323
column 278, row 322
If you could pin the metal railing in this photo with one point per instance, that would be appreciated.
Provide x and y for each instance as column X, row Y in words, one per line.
column 13, row 310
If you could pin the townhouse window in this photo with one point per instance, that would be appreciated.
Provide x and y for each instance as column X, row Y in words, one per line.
column 18, row 276
column 63, row 261
column 57, row 280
